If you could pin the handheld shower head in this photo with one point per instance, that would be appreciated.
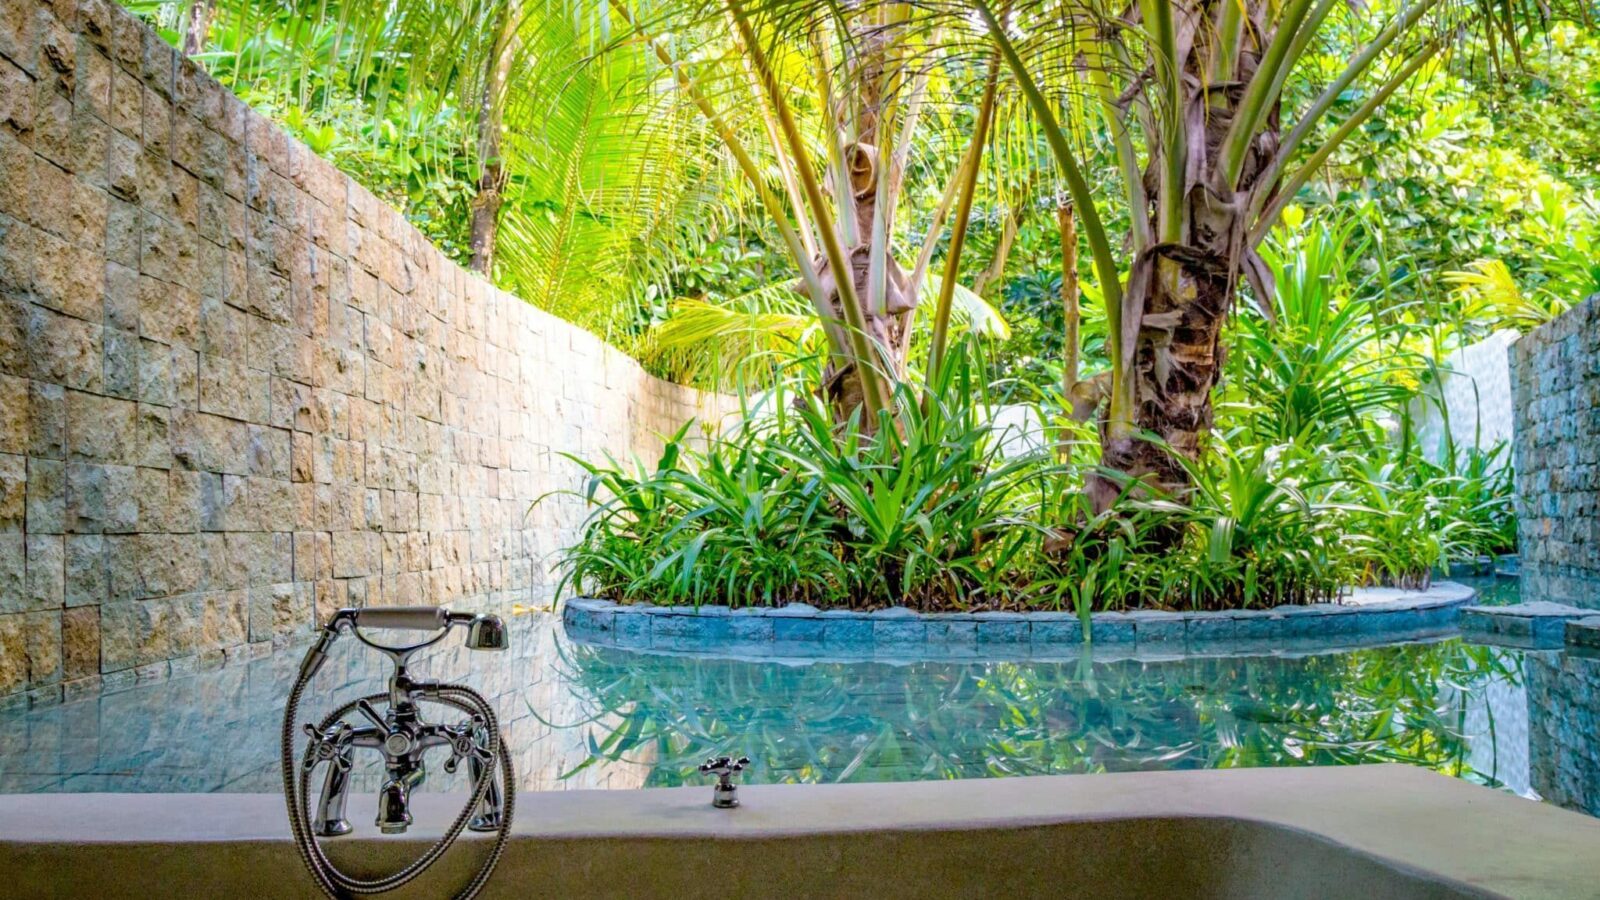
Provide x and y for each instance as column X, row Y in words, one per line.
column 487, row 632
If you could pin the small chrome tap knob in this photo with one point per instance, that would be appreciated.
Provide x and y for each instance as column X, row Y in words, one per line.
column 725, row 795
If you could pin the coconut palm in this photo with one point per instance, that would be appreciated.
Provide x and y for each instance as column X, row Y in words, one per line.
column 823, row 108
column 1192, row 93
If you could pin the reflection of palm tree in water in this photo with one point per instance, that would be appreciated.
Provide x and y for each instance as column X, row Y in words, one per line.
column 874, row 721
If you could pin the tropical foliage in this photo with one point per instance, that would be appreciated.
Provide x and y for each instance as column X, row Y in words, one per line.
column 879, row 222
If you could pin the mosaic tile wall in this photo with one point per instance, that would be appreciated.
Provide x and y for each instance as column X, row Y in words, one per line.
column 237, row 391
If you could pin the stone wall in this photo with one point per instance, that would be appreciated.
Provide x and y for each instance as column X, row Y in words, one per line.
column 1555, row 386
column 1563, row 718
column 237, row 391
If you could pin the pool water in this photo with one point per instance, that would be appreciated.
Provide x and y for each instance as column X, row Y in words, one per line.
column 585, row 717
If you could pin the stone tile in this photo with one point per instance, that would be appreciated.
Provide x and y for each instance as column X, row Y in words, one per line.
column 1003, row 628
column 14, row 415
column 1055, row 631
column 80, row 642
column 1111, row 628
column 846, row 629
column 13, row 492
column 65, row 350
column 42, row 640
column 1159, row 627
column 87, row 579
column 46, row 573
column 17, row 92
column 952, row 634
column 13, row 654
column 13, row 571
column 277, row 610
column 100, row 428
column 355, row 553
column 47, row 496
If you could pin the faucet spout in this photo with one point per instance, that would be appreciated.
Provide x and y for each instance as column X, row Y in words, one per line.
column 394, row 799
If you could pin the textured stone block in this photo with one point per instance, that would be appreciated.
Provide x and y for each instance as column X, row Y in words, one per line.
column 17, row 93
column 13, row 654
column 355, row 553
column 1583, row 633
column 15, row 358
column 1257, row 624
column 65, row 350
column 689, row 632
column 846, row 629
column 47, row 569
column 1204, row 628
column 948, row 634
column 14, row 415
column 42, row 639
column 13, row 492
column 13, row 571
column 593, row 622
column 631, row 631
column 1159, row 627
column 87, row 579
column 168, row 312
column 796, row 629
column 225, row 617
column 100, row 429
column 101, row 498
column 1003, row 628
column 47, row 421
column 46, row 496
column 80, row 642
column 120, row 363
column 1111, row 628
column 1055, row 631
column 128, row 636
column 902, row 632
column 277, row 610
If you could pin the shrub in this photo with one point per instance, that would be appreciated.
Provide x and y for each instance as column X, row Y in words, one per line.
column 787, row 507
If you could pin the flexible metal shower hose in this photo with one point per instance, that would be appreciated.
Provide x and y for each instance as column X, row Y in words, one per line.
column 337, row 884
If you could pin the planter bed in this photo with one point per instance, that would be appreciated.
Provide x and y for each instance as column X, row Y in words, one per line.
column 1366, row 615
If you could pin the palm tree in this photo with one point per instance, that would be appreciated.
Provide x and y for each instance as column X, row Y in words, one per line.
column 584, row 175
column 820, row 106
column 1192, row 93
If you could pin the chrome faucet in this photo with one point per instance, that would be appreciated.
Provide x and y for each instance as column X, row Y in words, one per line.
column 399, row 732
column 725, row 795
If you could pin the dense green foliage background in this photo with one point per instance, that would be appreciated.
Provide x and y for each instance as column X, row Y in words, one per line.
column 1468, row 204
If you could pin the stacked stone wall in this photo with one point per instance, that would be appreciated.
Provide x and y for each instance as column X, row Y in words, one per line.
column 1555, row 384
column 238, row 391
column 1563, row 719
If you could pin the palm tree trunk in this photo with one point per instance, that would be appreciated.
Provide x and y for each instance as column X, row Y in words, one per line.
column 490, row 196
column 1180, row 290
column 197, row 26
column 1177, row 360
column 1067, row 227
column 867, row 183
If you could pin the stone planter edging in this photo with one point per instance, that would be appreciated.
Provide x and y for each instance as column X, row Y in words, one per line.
column 798, row 630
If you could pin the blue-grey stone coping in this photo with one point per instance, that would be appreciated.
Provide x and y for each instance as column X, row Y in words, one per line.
column 1364, row 616
column 1536, row 623
column 1584, row 633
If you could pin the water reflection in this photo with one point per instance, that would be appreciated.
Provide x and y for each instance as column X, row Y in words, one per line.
column 589, row 717
column 1446, row 705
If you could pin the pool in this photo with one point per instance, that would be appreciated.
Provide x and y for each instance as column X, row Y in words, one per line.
column 592, row 717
